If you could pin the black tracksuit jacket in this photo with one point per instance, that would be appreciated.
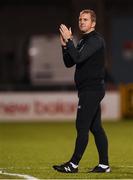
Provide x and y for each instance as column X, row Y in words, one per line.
column 88, row 57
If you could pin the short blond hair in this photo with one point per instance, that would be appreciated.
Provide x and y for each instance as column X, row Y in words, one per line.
column 91, row 12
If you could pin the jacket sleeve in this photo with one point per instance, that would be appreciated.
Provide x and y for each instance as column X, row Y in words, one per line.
column 87, row 50
column 68, row 61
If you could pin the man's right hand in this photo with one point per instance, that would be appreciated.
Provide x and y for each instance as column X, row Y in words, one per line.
column 65, row 33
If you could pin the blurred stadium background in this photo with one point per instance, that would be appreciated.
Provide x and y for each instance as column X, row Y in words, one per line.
column 37, row 93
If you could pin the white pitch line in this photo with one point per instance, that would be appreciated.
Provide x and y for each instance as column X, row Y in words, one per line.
column 18, row 175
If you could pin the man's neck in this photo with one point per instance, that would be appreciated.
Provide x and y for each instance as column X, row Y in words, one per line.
column 92, row 29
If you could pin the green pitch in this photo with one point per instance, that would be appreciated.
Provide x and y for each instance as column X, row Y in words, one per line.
column 32, row 149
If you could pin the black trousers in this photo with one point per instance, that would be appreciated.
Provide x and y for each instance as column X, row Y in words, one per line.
column 89, row 119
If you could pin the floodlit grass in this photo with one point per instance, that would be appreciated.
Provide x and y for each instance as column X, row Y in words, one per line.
column 32, row 149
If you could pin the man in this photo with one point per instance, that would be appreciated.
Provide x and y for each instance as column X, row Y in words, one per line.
column 88, row 57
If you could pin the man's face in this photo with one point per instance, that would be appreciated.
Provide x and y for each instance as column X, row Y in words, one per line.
column 85, row 23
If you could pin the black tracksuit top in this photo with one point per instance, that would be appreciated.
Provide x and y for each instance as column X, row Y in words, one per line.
column 88, row 57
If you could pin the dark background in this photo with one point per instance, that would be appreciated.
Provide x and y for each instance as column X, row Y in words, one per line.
column 20, row 19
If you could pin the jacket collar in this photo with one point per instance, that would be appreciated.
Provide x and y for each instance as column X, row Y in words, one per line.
column 87, row 35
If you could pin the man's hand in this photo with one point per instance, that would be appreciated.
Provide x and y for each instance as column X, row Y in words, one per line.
column 65, row 33
column 63, row 43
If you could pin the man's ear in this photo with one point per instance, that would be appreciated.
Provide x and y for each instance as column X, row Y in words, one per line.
column 93, row 24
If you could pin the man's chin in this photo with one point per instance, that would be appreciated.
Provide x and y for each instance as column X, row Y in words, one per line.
column 83, row 30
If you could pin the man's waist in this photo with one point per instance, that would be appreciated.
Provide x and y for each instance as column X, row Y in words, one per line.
column 91, row 85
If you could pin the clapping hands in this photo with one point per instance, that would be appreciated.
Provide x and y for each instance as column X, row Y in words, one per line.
column 65, row 34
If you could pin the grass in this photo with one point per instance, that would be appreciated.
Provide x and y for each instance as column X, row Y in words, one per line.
column 32, row 148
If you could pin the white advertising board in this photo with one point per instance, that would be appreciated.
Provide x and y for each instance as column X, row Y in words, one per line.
column 51, row 106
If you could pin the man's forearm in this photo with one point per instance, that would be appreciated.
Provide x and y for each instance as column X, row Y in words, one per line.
column 66, row 58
